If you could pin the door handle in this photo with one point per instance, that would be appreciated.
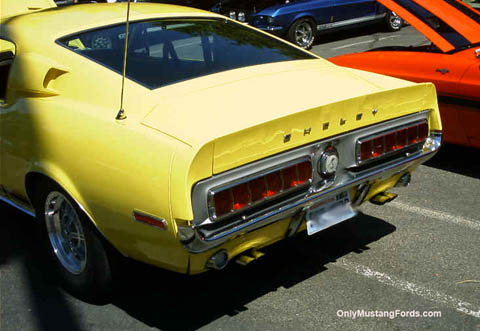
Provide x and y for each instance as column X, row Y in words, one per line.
column 443, row 71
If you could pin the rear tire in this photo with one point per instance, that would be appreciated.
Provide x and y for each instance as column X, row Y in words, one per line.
column 76, row 250
column 302, row 33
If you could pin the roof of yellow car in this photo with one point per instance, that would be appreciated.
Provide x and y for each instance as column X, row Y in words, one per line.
column 60, row 21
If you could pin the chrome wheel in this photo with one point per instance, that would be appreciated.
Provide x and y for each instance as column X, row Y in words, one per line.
column 65, row 232
column 303, row 34
column 394, row 22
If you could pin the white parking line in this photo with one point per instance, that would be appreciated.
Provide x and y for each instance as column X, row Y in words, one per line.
column 428, row 294
column 364, row 42
column 441, row 216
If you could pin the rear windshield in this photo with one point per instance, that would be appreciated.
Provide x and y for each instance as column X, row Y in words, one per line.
column 163, row 52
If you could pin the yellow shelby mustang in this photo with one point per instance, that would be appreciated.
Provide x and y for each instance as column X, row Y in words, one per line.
column 233, row 139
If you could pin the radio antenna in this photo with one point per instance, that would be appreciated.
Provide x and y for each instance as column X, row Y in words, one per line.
column 121, row 113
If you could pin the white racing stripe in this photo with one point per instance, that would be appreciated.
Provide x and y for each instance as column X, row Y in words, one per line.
column 364, row 42
column 425, row 293
column 442, row 216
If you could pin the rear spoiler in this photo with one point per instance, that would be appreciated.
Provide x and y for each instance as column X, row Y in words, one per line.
column 10, row 8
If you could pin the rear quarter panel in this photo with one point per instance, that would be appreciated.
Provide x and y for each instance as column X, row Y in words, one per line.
column 109, row 167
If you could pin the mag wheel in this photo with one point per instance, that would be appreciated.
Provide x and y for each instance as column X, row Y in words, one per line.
column 302, row 33
column 393, row 21
column 65, row 232
column 77, row 251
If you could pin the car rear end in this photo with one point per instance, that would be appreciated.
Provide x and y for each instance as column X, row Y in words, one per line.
column 315, row 174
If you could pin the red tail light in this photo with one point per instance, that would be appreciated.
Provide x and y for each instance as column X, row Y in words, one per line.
column 241, row 196
column 366, row 150
column 274, row 183
column 304, row 172
column 390, row 142
column 378, row 146
column 223, row 202
column 386, row 143
column 422, row 131
column 401, row 138
column 258, row 189
column 412, row 134
column 290, row 176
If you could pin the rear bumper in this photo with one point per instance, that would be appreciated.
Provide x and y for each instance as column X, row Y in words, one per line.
column 201, row 242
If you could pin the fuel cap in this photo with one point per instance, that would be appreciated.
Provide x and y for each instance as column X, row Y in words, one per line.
column 328, row 163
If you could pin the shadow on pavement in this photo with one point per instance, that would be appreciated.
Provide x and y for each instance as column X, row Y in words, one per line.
column 33, row 286
column 169, row 301
column 458, row 159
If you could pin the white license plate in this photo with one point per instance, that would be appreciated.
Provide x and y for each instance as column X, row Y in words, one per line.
column 328, row 212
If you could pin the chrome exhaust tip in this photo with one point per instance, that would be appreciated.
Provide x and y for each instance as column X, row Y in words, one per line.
column 383, row 198
column 218, row 261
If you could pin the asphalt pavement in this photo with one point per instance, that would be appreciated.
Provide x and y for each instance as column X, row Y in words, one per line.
column 418, row 255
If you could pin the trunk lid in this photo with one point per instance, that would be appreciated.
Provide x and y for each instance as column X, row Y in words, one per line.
column 255, row 112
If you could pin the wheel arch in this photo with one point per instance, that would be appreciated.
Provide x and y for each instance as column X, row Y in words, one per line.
column 34, row 178
column 300, row 16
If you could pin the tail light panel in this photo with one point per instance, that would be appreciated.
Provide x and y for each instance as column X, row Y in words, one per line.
column 384, row 144
column 255, row 190
column 228, row 201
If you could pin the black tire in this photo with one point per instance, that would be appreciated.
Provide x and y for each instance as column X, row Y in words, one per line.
column 92, row 281
column 393, row 22
column 302, row 33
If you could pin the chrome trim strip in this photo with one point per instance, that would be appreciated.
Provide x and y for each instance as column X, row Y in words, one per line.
column 13, row 204
column 349, row 22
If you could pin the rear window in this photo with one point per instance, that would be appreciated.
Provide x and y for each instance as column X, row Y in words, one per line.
column 163, row 52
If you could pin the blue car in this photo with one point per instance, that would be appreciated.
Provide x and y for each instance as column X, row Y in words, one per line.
column 301, row 20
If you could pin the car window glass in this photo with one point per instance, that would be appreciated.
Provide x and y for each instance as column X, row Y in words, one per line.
column 163, row 52
column 190, row 49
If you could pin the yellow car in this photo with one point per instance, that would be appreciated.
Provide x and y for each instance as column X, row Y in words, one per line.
column 223, row 139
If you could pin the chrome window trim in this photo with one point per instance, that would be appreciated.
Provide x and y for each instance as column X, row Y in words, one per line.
column 350, row 21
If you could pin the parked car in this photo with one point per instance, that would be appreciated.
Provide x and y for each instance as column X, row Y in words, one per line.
column 451, row 61
column 207, row 157
column 202, row 4
column 300, row 21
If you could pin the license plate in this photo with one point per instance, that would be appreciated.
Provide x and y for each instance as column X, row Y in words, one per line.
column 328, row 212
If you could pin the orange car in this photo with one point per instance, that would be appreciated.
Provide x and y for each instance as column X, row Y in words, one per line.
column 451, row 62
